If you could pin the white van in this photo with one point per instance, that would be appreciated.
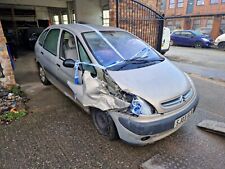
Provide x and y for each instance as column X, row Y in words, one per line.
column 165, row 40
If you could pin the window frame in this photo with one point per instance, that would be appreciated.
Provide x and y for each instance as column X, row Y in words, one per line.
column 60, row 43
column 57, row 41
column 179, row 2
column 172, row 4
column 212, row 2
column 78, row 51
column 46, row 30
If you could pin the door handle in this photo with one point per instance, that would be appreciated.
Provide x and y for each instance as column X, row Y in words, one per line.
column 42, row 53
column 58, row 65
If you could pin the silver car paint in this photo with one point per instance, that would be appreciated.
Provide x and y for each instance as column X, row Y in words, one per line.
column 155, row 83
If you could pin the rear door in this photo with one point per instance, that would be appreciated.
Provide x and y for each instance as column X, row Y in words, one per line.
column 50, row 53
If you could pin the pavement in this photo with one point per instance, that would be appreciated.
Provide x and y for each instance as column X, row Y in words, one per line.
column 208, row 63
column 58, row 134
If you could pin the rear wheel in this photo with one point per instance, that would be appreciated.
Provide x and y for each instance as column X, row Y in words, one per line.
column 104, row 124
column 198, row 45
column 42, row 76
column 221, row 45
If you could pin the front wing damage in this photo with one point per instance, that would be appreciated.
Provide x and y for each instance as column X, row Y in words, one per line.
column 94, row 93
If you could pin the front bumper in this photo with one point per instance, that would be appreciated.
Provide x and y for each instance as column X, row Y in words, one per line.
column 143, row 131
column 208, row 44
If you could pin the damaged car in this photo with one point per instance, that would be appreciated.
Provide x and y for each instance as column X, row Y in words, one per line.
column 131, row 91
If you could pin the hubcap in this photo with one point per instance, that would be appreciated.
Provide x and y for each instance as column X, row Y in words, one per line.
column 42, row 74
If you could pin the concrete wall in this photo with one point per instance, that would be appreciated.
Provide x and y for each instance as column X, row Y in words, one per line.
column 42, row 13
column 89, row 11
column 47, row 3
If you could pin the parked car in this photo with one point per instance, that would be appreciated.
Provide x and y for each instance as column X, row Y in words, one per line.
column 190, row 38
column 130, row 90
column 220, row 42
column 165, row 40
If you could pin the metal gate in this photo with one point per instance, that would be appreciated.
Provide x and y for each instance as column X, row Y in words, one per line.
column 140, row 20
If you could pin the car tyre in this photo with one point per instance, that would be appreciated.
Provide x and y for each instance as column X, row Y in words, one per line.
column 171, row 43
column 104, row 124
column 221, row 45
column 42, row 75
column 198, row 45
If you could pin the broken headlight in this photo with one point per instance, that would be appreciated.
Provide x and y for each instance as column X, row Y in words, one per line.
column 140, row 107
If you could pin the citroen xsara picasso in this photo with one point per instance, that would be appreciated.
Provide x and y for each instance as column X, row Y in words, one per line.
column 130, row 90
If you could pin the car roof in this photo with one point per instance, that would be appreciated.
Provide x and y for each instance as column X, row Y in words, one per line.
column 80, row 28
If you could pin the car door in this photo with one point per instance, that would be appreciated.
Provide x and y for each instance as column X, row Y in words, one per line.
column 67, row 50
column 71, row 48
column 187, row 38
column 176, row 37
column 50, row 54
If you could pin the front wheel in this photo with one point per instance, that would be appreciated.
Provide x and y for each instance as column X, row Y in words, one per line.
column 198, row 45
column 221, row 45
column 104, row 124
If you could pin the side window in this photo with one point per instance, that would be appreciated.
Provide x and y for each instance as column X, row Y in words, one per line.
column 177, row 33
column 85, row 58
column 68, row 46
column 42, row 37
column 51, row 41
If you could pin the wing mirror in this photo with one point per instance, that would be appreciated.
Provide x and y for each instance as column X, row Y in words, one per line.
column 69, row 63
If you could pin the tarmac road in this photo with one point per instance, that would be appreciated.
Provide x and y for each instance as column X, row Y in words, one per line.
column 58, row 134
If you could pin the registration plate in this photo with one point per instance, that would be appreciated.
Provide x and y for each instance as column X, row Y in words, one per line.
column 183, row 119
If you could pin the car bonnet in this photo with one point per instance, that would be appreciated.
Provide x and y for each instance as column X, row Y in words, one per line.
column 156, row 83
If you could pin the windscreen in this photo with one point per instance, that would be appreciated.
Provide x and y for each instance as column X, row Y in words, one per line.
column 117, row 46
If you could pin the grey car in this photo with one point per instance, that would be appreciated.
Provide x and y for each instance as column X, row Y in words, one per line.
column 131, row 91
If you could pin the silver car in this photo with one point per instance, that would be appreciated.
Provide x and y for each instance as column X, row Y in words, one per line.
column 130, row 90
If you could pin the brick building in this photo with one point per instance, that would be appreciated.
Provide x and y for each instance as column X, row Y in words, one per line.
column 194, row 14
column 6, row 75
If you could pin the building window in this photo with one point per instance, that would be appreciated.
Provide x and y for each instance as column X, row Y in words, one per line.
column 56, row 19
column 172, row 4
column 214, row 1
column 200, row 2
column 178, row 24
column 171, row 26
column 180, row 3
column 209, row 23
column 105, row 19
column 65, row 19
column 196, row 24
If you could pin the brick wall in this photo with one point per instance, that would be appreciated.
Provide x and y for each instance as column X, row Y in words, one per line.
column 9, row 80
column 199, row 11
